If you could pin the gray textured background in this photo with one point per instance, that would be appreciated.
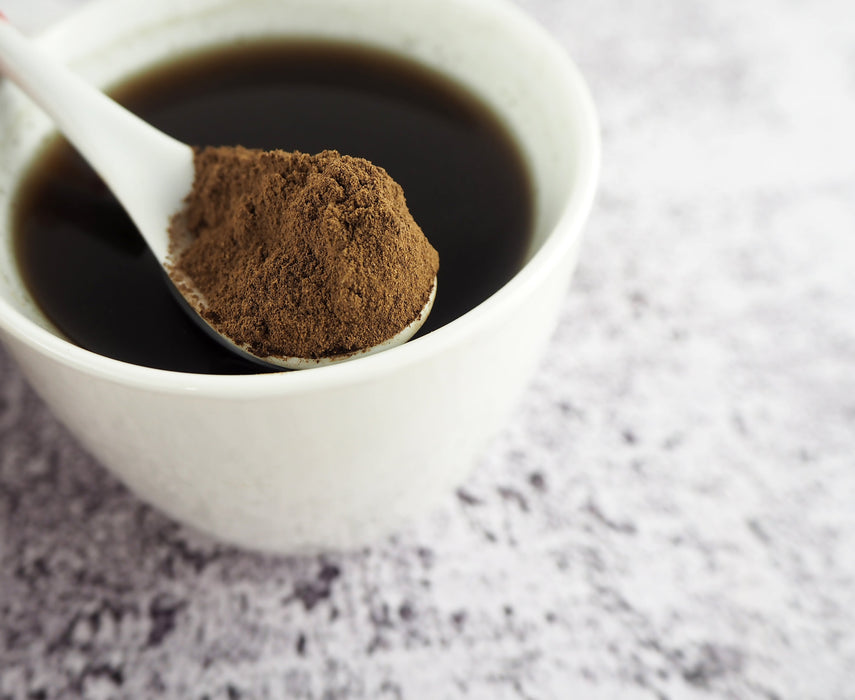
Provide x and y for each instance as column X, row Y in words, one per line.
column 669, row 513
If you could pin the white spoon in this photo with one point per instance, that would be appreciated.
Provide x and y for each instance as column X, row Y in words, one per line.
column 149, row 172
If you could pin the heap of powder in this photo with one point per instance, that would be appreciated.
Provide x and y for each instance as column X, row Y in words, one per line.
column 301, row 255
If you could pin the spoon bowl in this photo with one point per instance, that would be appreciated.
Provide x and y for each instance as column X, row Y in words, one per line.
column 284, row 362
column 150, row 173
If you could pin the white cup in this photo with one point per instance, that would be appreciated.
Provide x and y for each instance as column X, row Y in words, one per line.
column 336, row 456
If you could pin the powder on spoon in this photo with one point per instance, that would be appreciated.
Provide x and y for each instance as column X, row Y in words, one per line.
column 301, row 255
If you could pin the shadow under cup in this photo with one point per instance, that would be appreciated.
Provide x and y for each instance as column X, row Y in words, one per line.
column 335, row 456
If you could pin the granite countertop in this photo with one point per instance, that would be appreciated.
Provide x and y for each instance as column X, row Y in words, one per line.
column 669, row 513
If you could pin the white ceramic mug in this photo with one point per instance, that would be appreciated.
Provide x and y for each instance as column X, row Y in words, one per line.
column 334, row 456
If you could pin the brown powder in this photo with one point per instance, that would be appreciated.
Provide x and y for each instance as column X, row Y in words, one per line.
column 302, row 255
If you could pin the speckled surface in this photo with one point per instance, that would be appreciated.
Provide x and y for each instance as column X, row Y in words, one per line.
column 670, row 512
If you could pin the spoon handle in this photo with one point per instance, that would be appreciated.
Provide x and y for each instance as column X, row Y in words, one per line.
column 149, row 172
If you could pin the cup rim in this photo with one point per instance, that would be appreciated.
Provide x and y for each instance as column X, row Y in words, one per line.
column 564, row 235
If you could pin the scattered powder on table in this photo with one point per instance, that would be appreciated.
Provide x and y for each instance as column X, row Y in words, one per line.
column 301, row 255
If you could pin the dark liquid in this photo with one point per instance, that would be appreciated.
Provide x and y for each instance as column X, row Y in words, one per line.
column 463, row 176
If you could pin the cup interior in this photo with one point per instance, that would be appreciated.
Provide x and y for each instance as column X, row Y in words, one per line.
column 488, row 46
